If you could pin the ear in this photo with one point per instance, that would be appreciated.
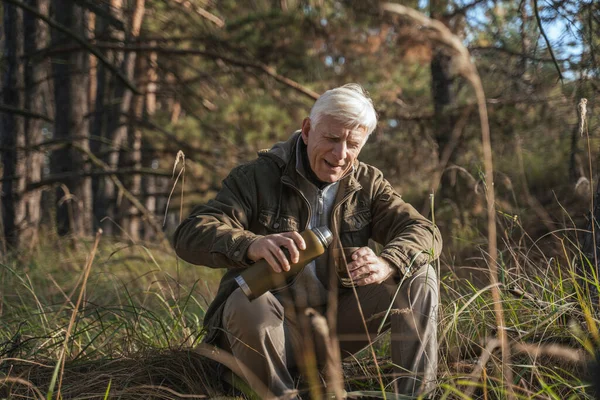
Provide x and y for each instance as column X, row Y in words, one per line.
column 305, row 129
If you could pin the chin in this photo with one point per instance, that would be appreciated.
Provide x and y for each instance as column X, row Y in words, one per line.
column 331, row 179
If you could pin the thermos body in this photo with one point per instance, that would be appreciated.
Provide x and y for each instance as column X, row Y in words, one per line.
column 260, row 277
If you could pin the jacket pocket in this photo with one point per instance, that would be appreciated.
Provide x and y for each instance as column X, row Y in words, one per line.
column 284, row 223
column 355, row 228
column 356, row 221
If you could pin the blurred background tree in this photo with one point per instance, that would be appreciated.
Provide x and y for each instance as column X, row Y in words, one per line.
column 98, row 97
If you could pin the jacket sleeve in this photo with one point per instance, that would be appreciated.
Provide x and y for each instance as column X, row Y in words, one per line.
column 409, row 239
column 216, row 234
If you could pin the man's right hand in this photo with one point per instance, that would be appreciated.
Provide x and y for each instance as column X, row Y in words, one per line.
column 269, row 248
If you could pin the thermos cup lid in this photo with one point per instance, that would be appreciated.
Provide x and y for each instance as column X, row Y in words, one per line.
column 324, row 235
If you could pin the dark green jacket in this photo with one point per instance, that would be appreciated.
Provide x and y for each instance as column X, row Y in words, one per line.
column 262, row 197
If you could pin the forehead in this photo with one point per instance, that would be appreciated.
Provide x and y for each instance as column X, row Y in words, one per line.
column 330, row 126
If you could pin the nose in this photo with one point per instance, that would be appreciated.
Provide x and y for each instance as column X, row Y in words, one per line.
column 340, row 150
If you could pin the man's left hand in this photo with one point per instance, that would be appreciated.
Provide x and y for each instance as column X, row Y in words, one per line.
column 367, row 268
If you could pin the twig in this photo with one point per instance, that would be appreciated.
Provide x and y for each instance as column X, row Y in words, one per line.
column 201, row 12
column 481, row 363
column 565, row 353
column 12, row 379
column 392, row 311
column 539, row 22
column 75, row 174
column 25, row 113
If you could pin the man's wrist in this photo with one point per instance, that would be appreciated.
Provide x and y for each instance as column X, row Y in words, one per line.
column 395, row 272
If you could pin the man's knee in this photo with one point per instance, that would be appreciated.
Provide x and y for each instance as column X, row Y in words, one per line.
column 422, row 285
column 239, row 312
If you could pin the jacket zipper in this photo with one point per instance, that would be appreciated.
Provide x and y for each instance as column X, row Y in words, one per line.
column 337, row 206
column 320, row 210
column 290, row 184
column 320, row 205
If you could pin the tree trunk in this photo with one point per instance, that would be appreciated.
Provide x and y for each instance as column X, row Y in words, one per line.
column 74, row 213
column 12, row 133
column 36, row 38
column 149, row 185
column 98, row 129
column 117, row 130
column 132, row 220
column 443, row 99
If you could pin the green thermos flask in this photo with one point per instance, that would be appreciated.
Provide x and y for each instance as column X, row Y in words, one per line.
column 260, row 277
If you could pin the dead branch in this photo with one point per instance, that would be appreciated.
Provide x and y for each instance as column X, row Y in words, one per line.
column 25, row 113
column 539, row 22
column 188, row 5
column 83, row 42
column 208, row 54
column 55, row 178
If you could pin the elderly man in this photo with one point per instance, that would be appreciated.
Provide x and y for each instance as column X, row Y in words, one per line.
column 315, row 179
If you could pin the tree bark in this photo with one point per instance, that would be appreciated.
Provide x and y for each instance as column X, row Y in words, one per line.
column 149, row 183
column 99, row 125
column 36, row 38
column 71, row 71
column 12, row 133
column 118, row 125
column 131, row 217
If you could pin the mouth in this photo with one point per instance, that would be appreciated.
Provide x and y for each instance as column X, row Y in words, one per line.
column 333, row 165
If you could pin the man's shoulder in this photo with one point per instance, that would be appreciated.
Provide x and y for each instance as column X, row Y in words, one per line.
column 367, row 172
column 261, row 166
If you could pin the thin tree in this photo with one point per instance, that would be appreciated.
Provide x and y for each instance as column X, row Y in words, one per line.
column 74, row 196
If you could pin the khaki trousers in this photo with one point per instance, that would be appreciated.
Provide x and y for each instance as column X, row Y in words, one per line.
column 265, row 336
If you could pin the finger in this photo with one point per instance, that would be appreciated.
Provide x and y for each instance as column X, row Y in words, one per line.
column 298, row 239
column 367, row 279
column 360, row 262
column 369, row 258
column 357, row 264
column 272, row 262
column 360, row 272
column 363, row 251
column 290, row 244
column 281, row 258
column 354, row 265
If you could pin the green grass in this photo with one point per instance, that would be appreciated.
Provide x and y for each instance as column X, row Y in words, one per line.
column 134, row 334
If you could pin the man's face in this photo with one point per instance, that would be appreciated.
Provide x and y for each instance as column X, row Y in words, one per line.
column 332, row 147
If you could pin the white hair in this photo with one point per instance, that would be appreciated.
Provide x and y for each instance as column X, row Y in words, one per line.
column 349, row 104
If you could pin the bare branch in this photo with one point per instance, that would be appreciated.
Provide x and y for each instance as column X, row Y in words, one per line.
column 539, row 21
column 56, row 178
column 83, row 42
column 188, row 5
column 25, row 113
column 513, row 53
column 208, row 54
